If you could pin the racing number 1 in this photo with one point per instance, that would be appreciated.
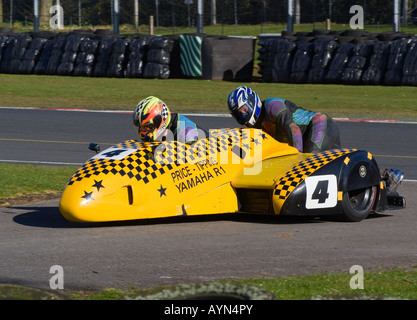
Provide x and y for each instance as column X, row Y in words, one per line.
column 321, row 191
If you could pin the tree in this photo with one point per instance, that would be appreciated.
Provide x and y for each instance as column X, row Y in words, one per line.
column 44, row 15
column 98, row 12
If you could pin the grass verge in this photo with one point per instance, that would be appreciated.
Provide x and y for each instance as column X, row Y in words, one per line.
column 202, row 96
column 24, row 183
column 400, row 284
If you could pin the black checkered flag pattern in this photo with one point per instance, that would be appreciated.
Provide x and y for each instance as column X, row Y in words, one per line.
column 165, row 112
column 152, row 159
column 305, row 168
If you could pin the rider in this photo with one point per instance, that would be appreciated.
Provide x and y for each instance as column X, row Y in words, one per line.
column 155, row 122
column 303, row 129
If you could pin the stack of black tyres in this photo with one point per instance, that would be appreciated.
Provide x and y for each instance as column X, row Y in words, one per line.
column 6, row 54
column 56, row 55
column 86, row 54
column 323, row 52
column 46, row 53
column 118, row 58
column 301, row 63
column 67, row 63
column 13, row 52
column 357, row 64
column 339, row 63
column 284, row 54
column 3, row 41
column 276, row 56
column 31, row 56
column 396, row 59
column 136, row 61
column 158, row 58
column 374, row 74
column 409, row 77
column 84, row 63
column 103, row 57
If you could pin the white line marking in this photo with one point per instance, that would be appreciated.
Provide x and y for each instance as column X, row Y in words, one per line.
column 43, row 162
column 225, row 115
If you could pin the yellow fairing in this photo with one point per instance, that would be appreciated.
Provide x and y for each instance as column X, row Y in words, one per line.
column 134, row 180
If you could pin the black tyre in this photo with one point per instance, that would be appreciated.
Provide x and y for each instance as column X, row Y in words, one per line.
column 358, row 204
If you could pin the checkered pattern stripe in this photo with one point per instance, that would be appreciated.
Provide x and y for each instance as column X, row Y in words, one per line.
column 139, row 165
column 133, row 144
column 223, row 139
column 153, row 159
column 305, row 168
column 165, row 112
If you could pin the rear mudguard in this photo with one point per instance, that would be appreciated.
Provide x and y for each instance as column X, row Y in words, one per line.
column 317, row 184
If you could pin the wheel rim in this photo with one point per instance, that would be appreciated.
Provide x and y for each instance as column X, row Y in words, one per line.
column 362, row 200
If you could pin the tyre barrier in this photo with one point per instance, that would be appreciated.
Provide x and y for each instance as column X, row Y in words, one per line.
column 330, row 57
column 103, row 54
column 339, row 58
column 91, row 54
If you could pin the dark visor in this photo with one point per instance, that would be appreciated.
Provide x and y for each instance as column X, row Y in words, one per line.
column 242, row 118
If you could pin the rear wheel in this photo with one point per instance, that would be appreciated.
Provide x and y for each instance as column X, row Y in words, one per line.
column 358, row 204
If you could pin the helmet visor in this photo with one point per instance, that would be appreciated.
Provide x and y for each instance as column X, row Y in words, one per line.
column 244, row 113
column 146, row 131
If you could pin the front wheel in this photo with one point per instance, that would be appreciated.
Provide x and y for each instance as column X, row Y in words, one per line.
column 358, row 204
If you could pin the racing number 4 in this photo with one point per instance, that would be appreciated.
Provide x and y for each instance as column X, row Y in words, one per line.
column 114, row 153
column 321, row 191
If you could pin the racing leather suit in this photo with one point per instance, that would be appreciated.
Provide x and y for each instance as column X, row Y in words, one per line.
column 305, row 130
column 183, row 129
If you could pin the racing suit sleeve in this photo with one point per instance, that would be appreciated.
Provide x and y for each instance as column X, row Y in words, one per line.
column 186, row 130
column 285, row 130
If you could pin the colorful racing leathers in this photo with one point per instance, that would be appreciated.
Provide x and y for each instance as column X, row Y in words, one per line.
column 183, row 129
column 305, row 130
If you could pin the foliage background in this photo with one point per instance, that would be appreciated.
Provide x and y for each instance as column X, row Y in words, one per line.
column 175, row 12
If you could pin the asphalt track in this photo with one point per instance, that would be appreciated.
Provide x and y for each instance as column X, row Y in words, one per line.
column 34, row 237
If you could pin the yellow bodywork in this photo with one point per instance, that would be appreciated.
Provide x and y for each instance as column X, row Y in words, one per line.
column 135, row 180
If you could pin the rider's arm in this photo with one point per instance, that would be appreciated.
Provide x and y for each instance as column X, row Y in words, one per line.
column 296, row 136
column 186, row 130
